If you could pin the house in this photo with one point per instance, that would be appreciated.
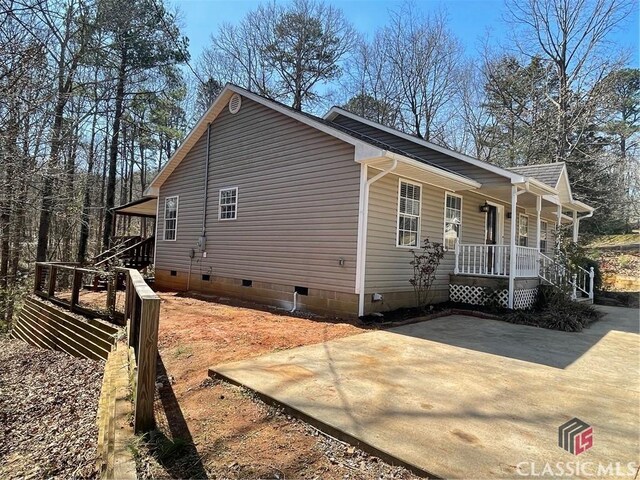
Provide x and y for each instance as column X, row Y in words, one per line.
column 276, row 206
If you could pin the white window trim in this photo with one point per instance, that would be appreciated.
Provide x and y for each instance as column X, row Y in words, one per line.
column 522, row 215
column 164, row 219
column 409, row 247
column 223, row 189
column 444, row 218
column 546, row 234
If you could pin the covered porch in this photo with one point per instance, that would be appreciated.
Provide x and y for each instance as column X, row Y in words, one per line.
column 510, row 265
column 133, row 243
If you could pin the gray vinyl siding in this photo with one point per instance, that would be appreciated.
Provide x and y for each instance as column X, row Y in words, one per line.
column 476, row 173
column 297, row 212
column 387, row 266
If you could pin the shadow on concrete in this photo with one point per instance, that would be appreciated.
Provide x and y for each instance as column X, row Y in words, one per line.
column 530, row 344
column 175, row 449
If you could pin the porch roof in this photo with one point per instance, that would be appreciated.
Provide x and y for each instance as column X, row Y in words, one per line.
column 143, row 207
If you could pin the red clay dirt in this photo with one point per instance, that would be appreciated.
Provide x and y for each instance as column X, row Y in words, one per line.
column 216, row 430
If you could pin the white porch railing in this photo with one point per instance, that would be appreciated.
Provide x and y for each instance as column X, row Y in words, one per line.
column 578, row 280
column 493, row 260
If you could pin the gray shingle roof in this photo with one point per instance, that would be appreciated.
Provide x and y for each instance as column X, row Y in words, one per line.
column 548, row 173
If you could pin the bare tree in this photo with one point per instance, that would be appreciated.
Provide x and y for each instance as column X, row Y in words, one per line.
column 574, row 37
column 282, row 52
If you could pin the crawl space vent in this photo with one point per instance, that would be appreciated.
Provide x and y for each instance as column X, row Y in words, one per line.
column 234, row 104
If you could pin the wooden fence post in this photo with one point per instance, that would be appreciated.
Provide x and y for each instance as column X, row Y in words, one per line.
column 38, row 280
column 75, row 289
column 51, row 291
column 111, row 293
column 147, row 357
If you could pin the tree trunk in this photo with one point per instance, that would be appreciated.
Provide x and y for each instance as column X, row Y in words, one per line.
column 86, row 202
column 113, row 153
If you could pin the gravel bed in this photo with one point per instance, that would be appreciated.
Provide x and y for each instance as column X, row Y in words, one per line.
column 48, row 406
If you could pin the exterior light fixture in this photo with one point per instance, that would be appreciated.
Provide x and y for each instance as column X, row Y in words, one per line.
column 484, row 208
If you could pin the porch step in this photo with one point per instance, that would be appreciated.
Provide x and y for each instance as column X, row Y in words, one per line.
column 584, row 300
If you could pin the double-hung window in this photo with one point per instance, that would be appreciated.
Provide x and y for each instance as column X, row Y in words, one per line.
column 409, row 198
column 228, row 204
column 544, row 226
column 523, row 230
column 452, row 220
column 170, row 218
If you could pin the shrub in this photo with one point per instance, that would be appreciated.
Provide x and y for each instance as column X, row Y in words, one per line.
column 425, row 265
column 554, row 310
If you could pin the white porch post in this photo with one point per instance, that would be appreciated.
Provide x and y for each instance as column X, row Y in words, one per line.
column 538, row 210
column 512, row 244
column 559, row 214
column 576, row 226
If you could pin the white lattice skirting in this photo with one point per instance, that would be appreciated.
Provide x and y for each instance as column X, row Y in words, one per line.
column 478, row 296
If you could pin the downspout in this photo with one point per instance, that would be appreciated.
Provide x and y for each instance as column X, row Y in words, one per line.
column 206, row 186
column 576, row 223
column 364, row 225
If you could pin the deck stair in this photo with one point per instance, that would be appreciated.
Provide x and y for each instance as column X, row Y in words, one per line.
column 578, row 281
column 129, row 254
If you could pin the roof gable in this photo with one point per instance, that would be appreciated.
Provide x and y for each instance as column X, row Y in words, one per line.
column 363, row 149
column 549, row 173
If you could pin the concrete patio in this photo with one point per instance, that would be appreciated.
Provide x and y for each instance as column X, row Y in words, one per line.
column 462, row 397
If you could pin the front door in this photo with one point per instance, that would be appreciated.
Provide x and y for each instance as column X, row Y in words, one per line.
column 491, row 236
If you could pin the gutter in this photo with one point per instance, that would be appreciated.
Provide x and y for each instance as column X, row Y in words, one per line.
column 362, row 238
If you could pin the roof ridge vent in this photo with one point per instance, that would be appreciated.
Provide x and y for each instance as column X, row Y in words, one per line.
column 235, row 103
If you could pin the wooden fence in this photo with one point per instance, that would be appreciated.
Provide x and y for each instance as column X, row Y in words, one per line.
column 60, row 283
column 141, row 313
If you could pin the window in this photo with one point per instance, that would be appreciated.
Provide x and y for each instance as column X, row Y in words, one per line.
column 543, row 235
column 408, row 215
column 170, row 218
column 452, row 219
column 523, row 230
column 228, row 205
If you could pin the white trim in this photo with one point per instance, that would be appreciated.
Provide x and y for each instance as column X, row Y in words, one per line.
column 499, row 226
column 402, row 180
column 546, row 235
column 514, row 177
column 444, row 218
column 164, row 219
column 449, row 175
column 362, row 251
column 155, row 227
column 518, row 229
column 225, row 189
column 361, row 223
column 512, row 244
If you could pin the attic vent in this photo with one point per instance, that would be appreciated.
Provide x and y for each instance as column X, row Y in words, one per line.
column 235, row 103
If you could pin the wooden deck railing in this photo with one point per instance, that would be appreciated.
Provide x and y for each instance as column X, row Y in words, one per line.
column 142, row 314
column 116, row 244
column 61, row 282
column 137, row 255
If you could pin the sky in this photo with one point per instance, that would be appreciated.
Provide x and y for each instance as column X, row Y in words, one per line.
column 469, row 20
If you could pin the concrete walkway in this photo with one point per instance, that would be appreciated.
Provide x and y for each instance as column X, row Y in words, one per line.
column 462, row 397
